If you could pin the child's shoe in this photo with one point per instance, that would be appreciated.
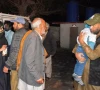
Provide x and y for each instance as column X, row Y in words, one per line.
column 78, row 79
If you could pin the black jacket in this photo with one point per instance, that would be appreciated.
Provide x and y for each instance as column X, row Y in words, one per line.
column 50, row 43
column 94, row 75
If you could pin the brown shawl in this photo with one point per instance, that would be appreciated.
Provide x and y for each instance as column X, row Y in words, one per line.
column 19, row 56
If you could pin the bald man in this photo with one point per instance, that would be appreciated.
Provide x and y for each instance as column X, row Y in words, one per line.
column 31, row 71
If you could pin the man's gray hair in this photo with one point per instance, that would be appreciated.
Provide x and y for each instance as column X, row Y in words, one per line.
column 36, row 24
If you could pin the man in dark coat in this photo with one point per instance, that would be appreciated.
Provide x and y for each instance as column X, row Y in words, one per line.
column 50, row 46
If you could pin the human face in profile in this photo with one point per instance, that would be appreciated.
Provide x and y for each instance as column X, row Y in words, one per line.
column 95, row 28
column 42, row 28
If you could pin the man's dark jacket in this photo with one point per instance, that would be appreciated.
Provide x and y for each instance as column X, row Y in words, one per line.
column 50, row 43
column 94, row 75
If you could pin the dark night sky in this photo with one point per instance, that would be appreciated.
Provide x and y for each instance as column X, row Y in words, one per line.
column 61, row 16
column 83, row 5
column 89, row 3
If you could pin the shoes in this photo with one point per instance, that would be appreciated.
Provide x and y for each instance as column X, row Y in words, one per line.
column 78, row 79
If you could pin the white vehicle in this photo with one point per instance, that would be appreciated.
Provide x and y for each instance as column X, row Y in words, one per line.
column 4, row 17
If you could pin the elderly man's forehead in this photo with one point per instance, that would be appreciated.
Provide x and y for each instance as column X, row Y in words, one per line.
column 39, row 19
column 36, row 19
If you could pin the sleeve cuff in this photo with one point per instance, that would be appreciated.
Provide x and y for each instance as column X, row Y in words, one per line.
column 84, row 45
column 7, row 66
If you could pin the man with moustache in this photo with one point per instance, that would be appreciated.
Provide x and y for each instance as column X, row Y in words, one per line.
column 91, row 76
column 10, row 64
column 31, row 70
column 8, row 34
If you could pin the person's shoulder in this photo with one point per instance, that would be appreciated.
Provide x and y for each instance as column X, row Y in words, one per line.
column 32, row 34
column 86, row 30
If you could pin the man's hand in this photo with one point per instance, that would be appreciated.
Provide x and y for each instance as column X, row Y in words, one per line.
column 5, row 69
column 3, row 47
column 81, row 37
column 80, row 57
column 41, row 81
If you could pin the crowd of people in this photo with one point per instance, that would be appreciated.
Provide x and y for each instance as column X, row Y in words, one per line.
column 26, row 54
column 22, row 54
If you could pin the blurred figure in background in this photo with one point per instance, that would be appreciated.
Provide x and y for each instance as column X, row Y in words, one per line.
column 27, row 25
column 8, row 33
column 50, row 46
column 3, row 47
